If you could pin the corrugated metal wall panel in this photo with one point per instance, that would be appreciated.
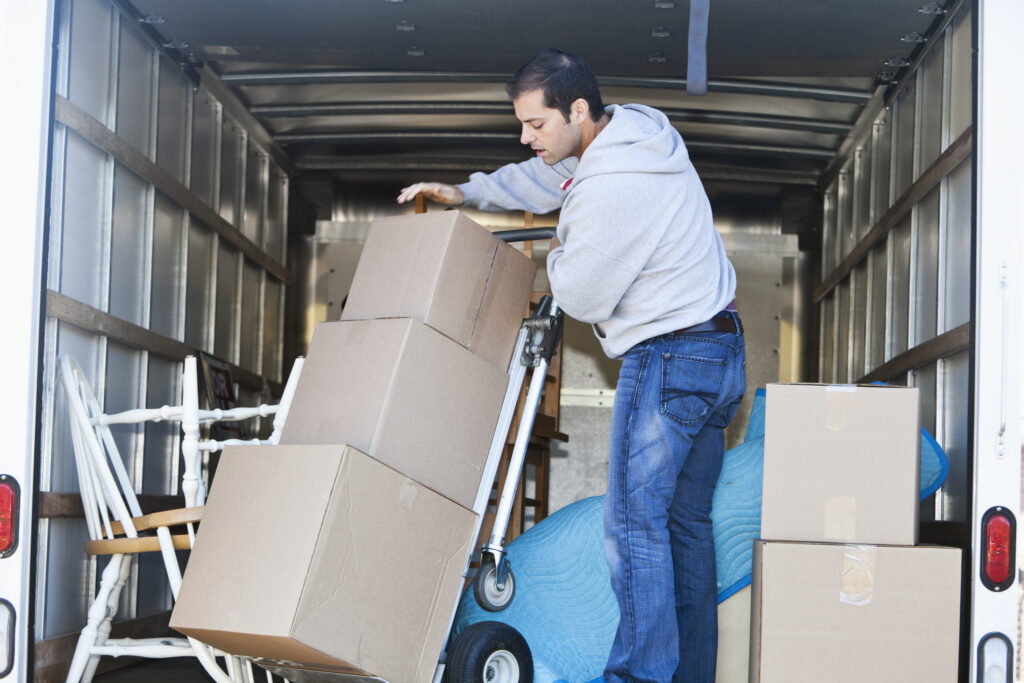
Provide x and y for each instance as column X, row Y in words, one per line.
column 915, row 282
column 130, row 248
column 167, row 298
column 172, row 112
column 122, row 248
column 205, row 133
column 202, row 252
column 957, row 269
column 226, row 302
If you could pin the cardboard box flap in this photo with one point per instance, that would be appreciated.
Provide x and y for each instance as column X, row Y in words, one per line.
column 445, row 598
column 462, row 281
column 433, row 267
column 448, row 272
column 508, row 291
column 279, row 651
column 843, row 407
column 412, row 256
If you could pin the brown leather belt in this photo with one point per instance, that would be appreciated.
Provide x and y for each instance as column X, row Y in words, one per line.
column 720, row 323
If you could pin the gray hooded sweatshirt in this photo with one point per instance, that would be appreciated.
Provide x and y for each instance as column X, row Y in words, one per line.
column 639, row 254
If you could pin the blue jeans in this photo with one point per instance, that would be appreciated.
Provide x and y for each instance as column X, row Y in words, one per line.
column 676, row 394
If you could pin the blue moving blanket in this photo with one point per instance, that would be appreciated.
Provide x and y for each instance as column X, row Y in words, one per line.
column 564, row 605
column 736, row 506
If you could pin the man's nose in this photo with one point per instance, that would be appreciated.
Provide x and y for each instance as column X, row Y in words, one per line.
column 526, row 137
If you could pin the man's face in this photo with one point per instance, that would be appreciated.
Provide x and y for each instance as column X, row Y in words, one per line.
column 546, row 130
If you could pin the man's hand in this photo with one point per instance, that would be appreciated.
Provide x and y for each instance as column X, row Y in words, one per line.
column 449, row 195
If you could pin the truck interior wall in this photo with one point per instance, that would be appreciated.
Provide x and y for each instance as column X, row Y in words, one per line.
column 167, row 238
column 902, row 208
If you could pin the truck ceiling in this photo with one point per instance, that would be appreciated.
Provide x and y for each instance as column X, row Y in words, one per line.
column 394, row 90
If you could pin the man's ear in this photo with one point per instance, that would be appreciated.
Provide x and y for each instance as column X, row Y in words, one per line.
column 580, row 111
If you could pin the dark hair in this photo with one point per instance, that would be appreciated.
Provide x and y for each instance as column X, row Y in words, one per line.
column 563, row 77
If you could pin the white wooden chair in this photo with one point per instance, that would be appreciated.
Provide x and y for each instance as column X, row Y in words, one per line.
column 118, row 528
column 192, row 447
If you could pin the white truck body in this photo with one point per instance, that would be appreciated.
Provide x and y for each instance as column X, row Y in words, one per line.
column 109, row 185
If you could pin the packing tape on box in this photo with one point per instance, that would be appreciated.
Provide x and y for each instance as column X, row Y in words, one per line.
column 840, row 518
column 840, row 404
column 409, row 492
column 857, row 585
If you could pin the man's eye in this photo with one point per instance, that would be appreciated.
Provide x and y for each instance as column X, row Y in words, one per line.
column 538, row 126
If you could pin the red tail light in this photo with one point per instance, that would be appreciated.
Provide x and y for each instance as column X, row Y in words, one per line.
column 998, row 529
column 9, row 501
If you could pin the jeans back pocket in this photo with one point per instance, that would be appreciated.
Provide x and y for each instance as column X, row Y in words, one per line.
column 690, row 386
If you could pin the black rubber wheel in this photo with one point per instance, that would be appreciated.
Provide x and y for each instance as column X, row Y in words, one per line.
column 485, row 587
column 489, row 652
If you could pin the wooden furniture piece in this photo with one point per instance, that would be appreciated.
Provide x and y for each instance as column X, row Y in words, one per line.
column 531, row 506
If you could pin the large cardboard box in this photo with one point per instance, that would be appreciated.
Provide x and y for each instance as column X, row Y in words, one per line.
column 854, row 613
column 321, row 557
column 841, row 463
column 449, row 272
column 404, row 393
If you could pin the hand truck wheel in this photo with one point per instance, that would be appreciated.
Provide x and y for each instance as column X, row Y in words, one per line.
column 489, row 652
column 485, row 587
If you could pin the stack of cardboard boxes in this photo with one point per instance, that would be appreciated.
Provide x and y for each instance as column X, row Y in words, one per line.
column 841, row 590
column 344, row 548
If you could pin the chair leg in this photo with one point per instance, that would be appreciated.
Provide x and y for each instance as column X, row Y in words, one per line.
column 83, row 664
column 191, row 483
column 81, row 657
column 250, row 677
column 235, row 670
column 209, row 662
column 113, row 600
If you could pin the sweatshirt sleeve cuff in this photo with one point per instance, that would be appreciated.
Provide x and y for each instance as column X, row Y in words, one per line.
column 470, row 193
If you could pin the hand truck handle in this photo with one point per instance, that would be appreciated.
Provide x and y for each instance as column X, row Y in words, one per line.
column 525, row 234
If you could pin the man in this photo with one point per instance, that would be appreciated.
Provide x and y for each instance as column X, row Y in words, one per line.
column 637, row 256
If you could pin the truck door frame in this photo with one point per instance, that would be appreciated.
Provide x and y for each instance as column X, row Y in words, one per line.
column 26, row 60
column 996, row 367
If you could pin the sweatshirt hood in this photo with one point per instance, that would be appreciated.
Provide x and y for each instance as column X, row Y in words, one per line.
column 637, row 139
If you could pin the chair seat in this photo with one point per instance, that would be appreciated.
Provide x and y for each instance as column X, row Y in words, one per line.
column 130, row 546
column 146, row 544
column 153, row 520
